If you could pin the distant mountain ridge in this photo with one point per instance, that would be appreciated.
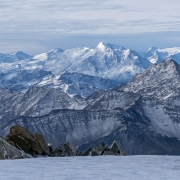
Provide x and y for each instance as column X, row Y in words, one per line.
column 108, row 65
column 84, row 70
column 143, row 114
column 157, row 55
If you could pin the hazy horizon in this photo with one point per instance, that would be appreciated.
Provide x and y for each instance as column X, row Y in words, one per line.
column 36, row 27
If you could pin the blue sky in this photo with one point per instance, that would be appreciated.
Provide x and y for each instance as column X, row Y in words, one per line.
column 38, row 26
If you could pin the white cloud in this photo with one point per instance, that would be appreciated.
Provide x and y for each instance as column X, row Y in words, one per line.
column 53, row 17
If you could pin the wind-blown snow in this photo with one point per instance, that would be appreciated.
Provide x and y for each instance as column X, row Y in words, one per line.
column 92, row 168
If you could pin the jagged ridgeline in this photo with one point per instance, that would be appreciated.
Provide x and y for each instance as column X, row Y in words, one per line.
column 142, row 114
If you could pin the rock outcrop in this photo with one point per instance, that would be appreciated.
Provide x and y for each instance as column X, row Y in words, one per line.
column 39, row 138
column 66, row 149
column 104, row 149
column 8, row 151
column 23, row 140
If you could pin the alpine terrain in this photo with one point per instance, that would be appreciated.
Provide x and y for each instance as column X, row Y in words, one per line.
column 91, row 96
column 104, row 67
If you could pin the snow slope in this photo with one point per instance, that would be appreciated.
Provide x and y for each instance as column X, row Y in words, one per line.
column 156, row 55
column 101, row 168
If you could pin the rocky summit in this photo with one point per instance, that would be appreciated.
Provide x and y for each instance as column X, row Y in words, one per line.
column 20, row 138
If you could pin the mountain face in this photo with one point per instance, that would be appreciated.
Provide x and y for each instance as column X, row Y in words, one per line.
column 68, row 96
column 12, row 57
column 143, row 114
column 70, row 83
column 104, row 67
column 37, row 101
column 106, row 60
column 77, row 83
column 152, row 97
column 157, row 55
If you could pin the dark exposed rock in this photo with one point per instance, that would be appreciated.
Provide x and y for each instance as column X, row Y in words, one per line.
column 87, row 152
column 104, row 149
column 122, row 153
column 115, row 147
column 66, row 149
column 94, row 153
column 39, row 138
column 71, row 149
column 7, row 151
column 108, row 153
column 100, row 148
column 23, row 140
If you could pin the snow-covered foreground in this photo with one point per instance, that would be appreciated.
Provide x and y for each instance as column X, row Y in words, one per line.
column 95, row 168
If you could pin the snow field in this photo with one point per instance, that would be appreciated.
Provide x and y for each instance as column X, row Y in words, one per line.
column 95, row 168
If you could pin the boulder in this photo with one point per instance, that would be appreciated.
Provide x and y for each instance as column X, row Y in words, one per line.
column 8, row 151
column 94, row 153
column 23, row 140
column 60, row 151
column 39, row 138
column 70, row 149
column 104, row 149
column 122, row 153
column 66, row 149
column 99, row 149
column 115, row 147
column 87, row 152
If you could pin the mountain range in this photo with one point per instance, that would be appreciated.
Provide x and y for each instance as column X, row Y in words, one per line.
column 89, row 96
column 107, row 64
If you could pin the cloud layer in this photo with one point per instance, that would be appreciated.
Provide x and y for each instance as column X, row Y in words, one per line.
column 31, row 22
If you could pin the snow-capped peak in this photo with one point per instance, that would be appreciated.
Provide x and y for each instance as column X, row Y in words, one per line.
column 156, row 55
column 102, row 46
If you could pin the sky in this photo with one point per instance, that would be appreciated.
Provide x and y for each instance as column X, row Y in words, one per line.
column 39, row 26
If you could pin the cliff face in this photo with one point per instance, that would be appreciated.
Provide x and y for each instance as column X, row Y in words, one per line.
column 76, row 126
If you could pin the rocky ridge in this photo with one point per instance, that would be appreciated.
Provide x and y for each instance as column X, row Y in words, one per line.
column 19, row 143
column 144, row 113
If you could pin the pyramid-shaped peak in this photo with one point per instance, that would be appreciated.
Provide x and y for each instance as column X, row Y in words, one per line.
column 158, row 80
column 102, row 46
column 170, row 63
column 21, row 55
column 169, row 66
